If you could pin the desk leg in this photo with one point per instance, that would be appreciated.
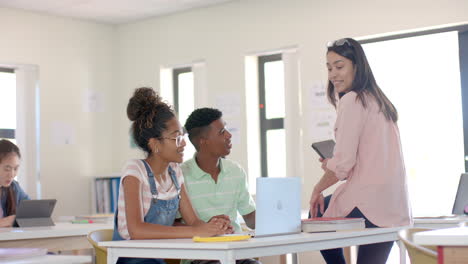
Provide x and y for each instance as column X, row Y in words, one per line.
column 228, row 258
column 111, row 258
column 294, row 258
column 402, row 252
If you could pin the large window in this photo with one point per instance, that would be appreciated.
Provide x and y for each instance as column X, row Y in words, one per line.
column 272, row 113
column 421, row 76
column 184, row 102
column 7, row 104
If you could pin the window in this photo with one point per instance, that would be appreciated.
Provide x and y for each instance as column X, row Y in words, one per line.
column 272, row 113
column 8, row 104
column 421, row 76
column 184, row 103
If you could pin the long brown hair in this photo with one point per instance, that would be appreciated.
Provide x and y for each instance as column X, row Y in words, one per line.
column 7, row 148
column 364, row 82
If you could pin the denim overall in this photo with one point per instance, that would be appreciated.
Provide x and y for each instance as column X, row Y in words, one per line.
column 161, row 212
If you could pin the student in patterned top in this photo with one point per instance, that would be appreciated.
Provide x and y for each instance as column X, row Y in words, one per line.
column 216, row 186
column 10, row 191
column 367, row 155
column 152, row 190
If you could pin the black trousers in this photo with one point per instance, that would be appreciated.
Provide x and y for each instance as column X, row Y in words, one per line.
column 367, row 254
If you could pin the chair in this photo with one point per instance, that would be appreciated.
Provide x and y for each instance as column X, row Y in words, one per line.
column 99, row 236
column 417, row 253
column 101, row 252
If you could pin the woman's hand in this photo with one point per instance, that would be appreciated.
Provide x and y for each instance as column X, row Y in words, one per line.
column 324, row 164
column 7, row 221
column 316, row 203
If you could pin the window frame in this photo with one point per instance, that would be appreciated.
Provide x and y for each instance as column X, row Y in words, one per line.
column 7, row 132
column 175, row 84
column 266, row 124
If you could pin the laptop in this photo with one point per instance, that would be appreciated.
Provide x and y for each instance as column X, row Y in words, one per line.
column 278, row 206
column 461, row 200
column 35, row 213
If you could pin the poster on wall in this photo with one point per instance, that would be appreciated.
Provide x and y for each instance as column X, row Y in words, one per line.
column 230, row 105
column 321, row 115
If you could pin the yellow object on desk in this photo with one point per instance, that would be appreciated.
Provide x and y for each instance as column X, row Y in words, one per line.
column 224, row 238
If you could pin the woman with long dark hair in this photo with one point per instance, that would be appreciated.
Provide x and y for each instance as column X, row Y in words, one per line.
column 367, row 156
column 10, row 191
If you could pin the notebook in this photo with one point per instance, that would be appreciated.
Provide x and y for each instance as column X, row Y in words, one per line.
column 461, row 199
column 278, row 203
column 35, row 213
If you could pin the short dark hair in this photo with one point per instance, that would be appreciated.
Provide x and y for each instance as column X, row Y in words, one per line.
column 364, row 81
column 198, row 122
column 149, row 114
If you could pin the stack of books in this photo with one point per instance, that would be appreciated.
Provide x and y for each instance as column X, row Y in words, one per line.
column 330, row 224
column 96, row 218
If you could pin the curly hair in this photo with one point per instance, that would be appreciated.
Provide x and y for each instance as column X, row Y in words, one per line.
column 149, row 115
column 198, row 122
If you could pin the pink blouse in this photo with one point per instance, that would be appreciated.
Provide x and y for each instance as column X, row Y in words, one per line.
column 369, row 159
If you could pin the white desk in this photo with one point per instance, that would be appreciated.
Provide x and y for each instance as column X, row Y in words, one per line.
column 62, row 236
column 457, row 236
column 50, row 259
column 452, row 243
column 440, row 222
column 228, row 252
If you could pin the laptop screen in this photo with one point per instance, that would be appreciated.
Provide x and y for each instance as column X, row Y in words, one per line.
column 278, row 203
column 461, row 200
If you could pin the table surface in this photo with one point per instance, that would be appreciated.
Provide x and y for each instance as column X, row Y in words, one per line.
column 258, row 242
column 59, row 230
column 457, row 236
column 50, row 259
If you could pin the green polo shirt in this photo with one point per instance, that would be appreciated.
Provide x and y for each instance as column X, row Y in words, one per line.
column 228, row 196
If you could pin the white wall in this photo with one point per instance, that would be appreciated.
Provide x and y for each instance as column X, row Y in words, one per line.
column 72, row 57
column 223, row 35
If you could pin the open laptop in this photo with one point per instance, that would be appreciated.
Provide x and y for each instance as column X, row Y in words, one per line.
column 461, row 200
column 278, row 202
column 35, row 213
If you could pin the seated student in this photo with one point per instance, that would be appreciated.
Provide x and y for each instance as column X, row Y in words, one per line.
column 216, row 186
column 152, row 190
column 10, row 191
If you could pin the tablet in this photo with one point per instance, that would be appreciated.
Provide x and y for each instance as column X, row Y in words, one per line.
column 35, row 213
column 324, row 148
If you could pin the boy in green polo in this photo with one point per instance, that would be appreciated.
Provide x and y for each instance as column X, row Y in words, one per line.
column 216, row 186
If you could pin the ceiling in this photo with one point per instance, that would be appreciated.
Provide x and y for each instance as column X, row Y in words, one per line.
column 109, row 11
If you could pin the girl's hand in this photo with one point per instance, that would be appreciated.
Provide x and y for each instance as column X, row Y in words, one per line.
column 209, row 229
column 224, row 221
column 7, row 221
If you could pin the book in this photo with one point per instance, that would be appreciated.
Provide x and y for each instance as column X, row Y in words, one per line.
column 96, row 218
column 330, row 224
column 20, row 253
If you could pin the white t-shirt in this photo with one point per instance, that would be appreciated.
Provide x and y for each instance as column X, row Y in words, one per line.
column 166, row 190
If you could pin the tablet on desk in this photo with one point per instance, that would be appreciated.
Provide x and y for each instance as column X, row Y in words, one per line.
column 324, row 148
column 35, row 213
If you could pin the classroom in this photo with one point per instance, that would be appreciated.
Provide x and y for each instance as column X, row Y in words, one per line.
column 75, row 74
